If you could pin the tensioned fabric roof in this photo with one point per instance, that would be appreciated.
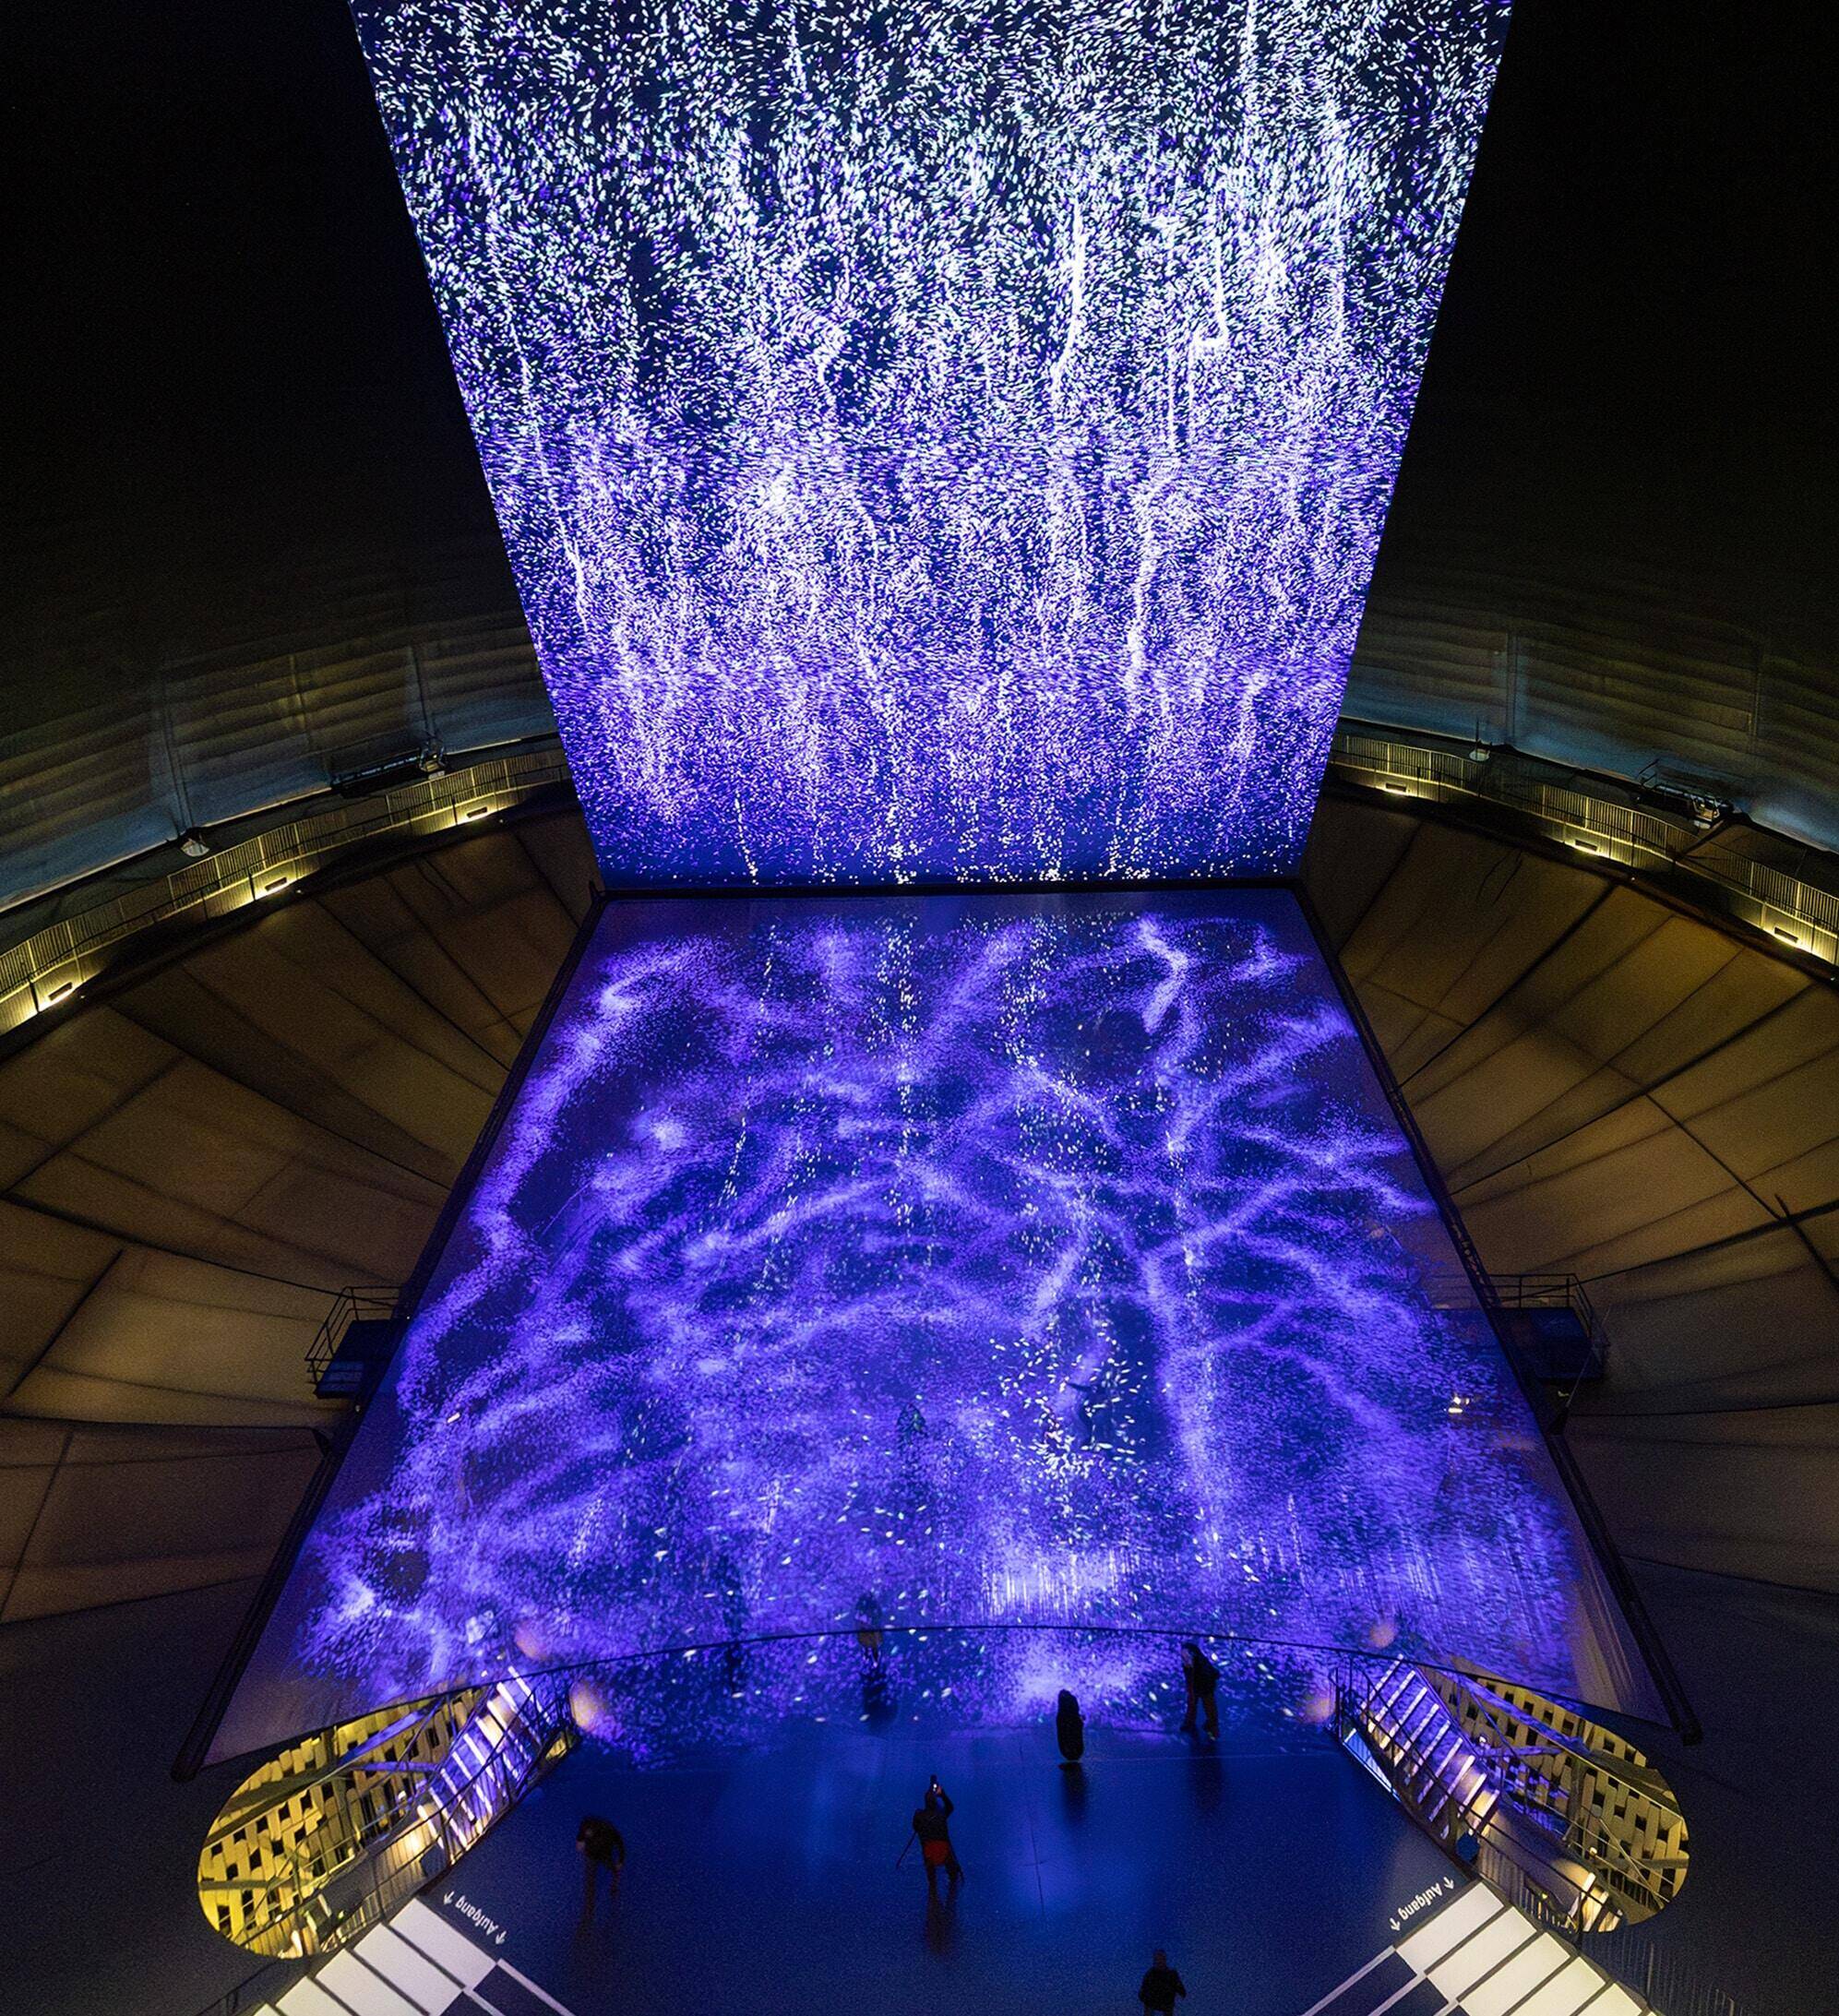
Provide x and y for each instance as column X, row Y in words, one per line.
column 122, row 728
column 192, row 1167
column 1614, row 663
column 123, row 725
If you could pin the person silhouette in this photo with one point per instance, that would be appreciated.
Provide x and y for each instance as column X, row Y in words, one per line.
column 932, row 1829
column 1202, row 1677
column 601, row 1847
column 1070, row 1728
column 1160, row 1986
column 869, row 1634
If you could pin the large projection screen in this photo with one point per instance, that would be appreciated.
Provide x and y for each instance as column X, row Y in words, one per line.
column 943, row 441
column 1045, row 1264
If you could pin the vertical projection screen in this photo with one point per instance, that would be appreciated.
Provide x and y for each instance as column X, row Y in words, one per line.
column 938, row 441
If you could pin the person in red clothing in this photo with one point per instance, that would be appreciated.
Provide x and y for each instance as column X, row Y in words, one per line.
column 932, row 1829
column 1161, row 1985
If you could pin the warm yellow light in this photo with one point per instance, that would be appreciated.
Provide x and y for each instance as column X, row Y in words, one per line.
column 586, row 1705
column 58, row 992
column 1398, row 791
column 1585, row 846
column 280, row 882
column 475, row 812
column 1318, row 1707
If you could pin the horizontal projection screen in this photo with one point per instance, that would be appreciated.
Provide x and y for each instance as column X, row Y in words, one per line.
column 940, row 441
column 1004, row 1263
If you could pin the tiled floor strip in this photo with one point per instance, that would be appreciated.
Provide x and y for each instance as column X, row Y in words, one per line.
column 1487, row 1958
column 1477, row 1956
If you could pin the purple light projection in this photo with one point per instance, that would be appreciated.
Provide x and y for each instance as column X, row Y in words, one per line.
column 946, row 441
column 1000, row 1263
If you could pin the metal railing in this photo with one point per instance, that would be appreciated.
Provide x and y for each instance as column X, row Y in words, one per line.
column 1636, row 1955
column 48, row 967
column 1632, row 1954
column 351, row 1794
column 1818, row 907
column 1546, row 1779
column 1534, row 1791
column 402, row 1852
column 1665, row 843
column 1515, row 1293
column 1548, row 1291
column 348, row 1306
column 1663, row 1979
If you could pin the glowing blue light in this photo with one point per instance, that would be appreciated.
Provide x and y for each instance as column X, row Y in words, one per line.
column 941, row 440
column 996, row 1261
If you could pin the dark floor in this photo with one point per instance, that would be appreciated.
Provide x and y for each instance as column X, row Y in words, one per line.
column 1757, row 1919
column 99, row 1848
column 768, row 1881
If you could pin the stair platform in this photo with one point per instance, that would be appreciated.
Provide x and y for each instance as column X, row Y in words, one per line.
column 1279, row 1882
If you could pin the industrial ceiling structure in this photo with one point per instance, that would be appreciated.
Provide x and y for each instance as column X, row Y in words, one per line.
column 200, row 1161
column 200, row 1158
column 244, row 1111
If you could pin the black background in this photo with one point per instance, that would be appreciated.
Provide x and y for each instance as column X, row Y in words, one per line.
column 225, row 355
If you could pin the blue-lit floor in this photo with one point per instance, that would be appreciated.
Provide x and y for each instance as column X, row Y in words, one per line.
column 767, row 1881
column 995, row 1266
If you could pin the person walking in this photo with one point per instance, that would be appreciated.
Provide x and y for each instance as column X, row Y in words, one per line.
column 870, row 1635
column 601, row 1846
column 1161, row 1985
column 1070, row 1728
column 1203, row 1687
column 932, row 1830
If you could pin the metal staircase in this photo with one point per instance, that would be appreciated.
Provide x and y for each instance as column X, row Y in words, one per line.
column 1423, row 1753
column 493, row 1759
column 517, row 1729
column 1459, row 1789
column 1546, row 1775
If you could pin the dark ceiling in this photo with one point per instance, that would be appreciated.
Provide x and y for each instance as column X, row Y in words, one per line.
column 231, row 364
column 1633, row 340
